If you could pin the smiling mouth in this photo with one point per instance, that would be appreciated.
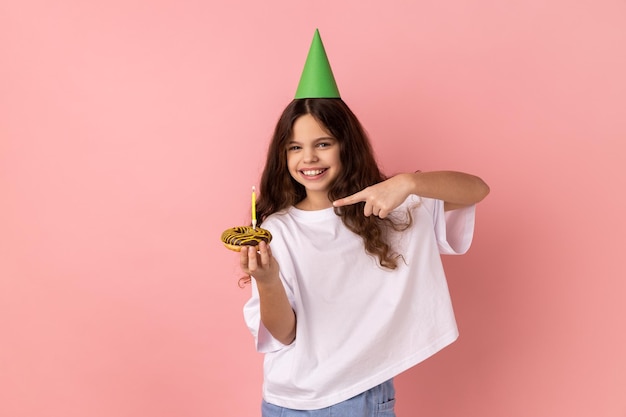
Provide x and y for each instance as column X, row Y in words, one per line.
column 312, row 172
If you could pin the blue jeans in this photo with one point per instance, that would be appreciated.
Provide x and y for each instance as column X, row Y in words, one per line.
column 376, row 402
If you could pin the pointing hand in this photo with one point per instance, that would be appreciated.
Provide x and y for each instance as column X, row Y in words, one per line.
column 382, row 198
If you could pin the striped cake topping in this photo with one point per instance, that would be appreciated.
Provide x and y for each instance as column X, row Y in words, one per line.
column 245, row 236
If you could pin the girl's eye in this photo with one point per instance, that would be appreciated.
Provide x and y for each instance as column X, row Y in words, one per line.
column 323, row 144
column 293, row 148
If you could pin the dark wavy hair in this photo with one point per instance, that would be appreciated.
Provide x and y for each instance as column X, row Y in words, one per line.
column 278, row 190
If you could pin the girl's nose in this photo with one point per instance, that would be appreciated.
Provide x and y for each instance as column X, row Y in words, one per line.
column 310, row 155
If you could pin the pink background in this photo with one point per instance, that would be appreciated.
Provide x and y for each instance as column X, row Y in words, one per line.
column 118, row 120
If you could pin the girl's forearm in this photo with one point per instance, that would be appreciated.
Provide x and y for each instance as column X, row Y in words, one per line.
column 456, row 189
column 276, row 313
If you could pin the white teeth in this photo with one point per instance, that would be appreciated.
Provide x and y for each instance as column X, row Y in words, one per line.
column 312, row 172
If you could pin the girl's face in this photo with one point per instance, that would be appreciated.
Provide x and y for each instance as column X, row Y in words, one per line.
column 313, row 158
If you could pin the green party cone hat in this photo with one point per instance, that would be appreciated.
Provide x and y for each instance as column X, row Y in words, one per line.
column 317, row 80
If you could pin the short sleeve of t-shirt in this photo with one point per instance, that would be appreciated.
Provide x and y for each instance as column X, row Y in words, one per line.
column 454, row 229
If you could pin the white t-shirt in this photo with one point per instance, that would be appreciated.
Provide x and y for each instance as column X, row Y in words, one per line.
column 358, row 324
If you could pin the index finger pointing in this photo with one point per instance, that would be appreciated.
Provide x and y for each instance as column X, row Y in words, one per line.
column 351, row 199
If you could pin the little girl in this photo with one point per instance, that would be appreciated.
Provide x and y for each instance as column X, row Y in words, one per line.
column 352, row 291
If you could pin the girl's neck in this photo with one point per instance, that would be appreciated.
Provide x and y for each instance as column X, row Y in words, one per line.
column 314, row 202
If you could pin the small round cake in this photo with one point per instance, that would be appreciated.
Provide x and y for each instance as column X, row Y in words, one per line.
column 237, row 237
